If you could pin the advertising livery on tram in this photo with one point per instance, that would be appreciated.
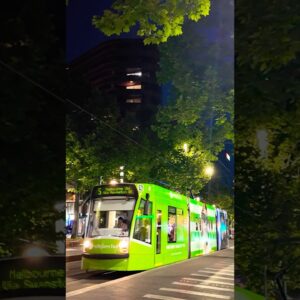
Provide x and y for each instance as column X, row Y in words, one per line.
column 142, row 226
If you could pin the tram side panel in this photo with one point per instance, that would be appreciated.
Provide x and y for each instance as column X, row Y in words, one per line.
column 211, row 228
column 172, row 234
column 202, row 228
column 142, row 242
column 196, row 244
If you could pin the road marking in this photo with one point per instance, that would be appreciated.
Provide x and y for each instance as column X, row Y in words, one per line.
column 220, row 272
column 161, row 297
column 100, row 285
column 204, row 286
column 216, row 276
column 215, row 269
column 210, row 281
column 195, row 293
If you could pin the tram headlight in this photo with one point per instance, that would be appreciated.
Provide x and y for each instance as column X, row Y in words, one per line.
column 123, row 246
column 87, row 244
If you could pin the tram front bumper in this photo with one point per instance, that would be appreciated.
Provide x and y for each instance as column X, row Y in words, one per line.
column 114, row 262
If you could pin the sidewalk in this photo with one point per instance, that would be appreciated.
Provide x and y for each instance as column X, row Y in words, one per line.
column 205, row 277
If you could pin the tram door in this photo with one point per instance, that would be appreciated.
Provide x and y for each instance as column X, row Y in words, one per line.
column 158, row 256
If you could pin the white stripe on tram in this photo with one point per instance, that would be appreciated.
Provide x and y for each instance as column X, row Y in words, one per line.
column 209, row 287
column 196, row 293
column 209, row 281
column 151, row 296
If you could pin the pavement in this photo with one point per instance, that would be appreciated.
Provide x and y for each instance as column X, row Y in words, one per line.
column 206, row 277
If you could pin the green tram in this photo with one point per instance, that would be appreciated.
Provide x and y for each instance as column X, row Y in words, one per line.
column 141, row 226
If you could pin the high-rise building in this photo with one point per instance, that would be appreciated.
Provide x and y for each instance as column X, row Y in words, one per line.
column 125, row 69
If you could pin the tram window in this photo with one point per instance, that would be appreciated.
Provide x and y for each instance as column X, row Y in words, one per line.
column 172, row 224
column 103, row 219
column 143, row 224
column 158, row 231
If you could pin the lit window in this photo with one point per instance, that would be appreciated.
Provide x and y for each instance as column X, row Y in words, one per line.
column 134, row 87
column 136, row 100
column 135, row 74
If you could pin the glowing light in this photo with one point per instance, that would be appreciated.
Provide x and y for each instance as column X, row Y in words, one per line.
column 209, row 171
column 134, row 74
column 134, row 87
column 185, row 147
column 227, row 156
column 135, row 100
column 87, row 245
column 123, row 244
column 113, row 182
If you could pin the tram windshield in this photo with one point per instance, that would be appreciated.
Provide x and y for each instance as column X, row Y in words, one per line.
column 111, row 216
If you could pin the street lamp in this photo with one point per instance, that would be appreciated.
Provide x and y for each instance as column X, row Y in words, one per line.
column 209, row 171
column 113, row 182
column 185, row 147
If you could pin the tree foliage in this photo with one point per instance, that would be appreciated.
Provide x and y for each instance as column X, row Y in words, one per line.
column 33, row 180
column 156, row 20
column 198, row 113
column 267, row 183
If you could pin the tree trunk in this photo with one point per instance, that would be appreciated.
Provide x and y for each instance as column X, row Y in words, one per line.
column 76, row 216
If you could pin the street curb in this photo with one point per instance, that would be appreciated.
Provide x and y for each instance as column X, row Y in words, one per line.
column 73, row 258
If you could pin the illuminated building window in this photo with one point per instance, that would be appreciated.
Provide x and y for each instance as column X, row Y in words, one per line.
column 134, row 87
column 135, row 74
column 135, row 100
column 134, row 71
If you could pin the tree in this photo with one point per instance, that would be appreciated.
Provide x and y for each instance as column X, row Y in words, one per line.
column 267, row 180
column 32, row 125
column 199, row 112
column 156, row 20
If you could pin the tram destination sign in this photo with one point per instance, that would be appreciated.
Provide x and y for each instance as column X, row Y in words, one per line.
column 117, row 190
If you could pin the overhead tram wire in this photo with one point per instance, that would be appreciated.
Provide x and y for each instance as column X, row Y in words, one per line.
column 64, row 100
column 94, row 117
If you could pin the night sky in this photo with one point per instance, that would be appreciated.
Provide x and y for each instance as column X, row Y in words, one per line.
column 81, row 34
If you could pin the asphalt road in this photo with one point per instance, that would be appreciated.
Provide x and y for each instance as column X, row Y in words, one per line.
column 205, row 277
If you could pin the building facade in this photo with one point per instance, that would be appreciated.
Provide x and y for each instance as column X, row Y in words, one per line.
column 125, row 69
